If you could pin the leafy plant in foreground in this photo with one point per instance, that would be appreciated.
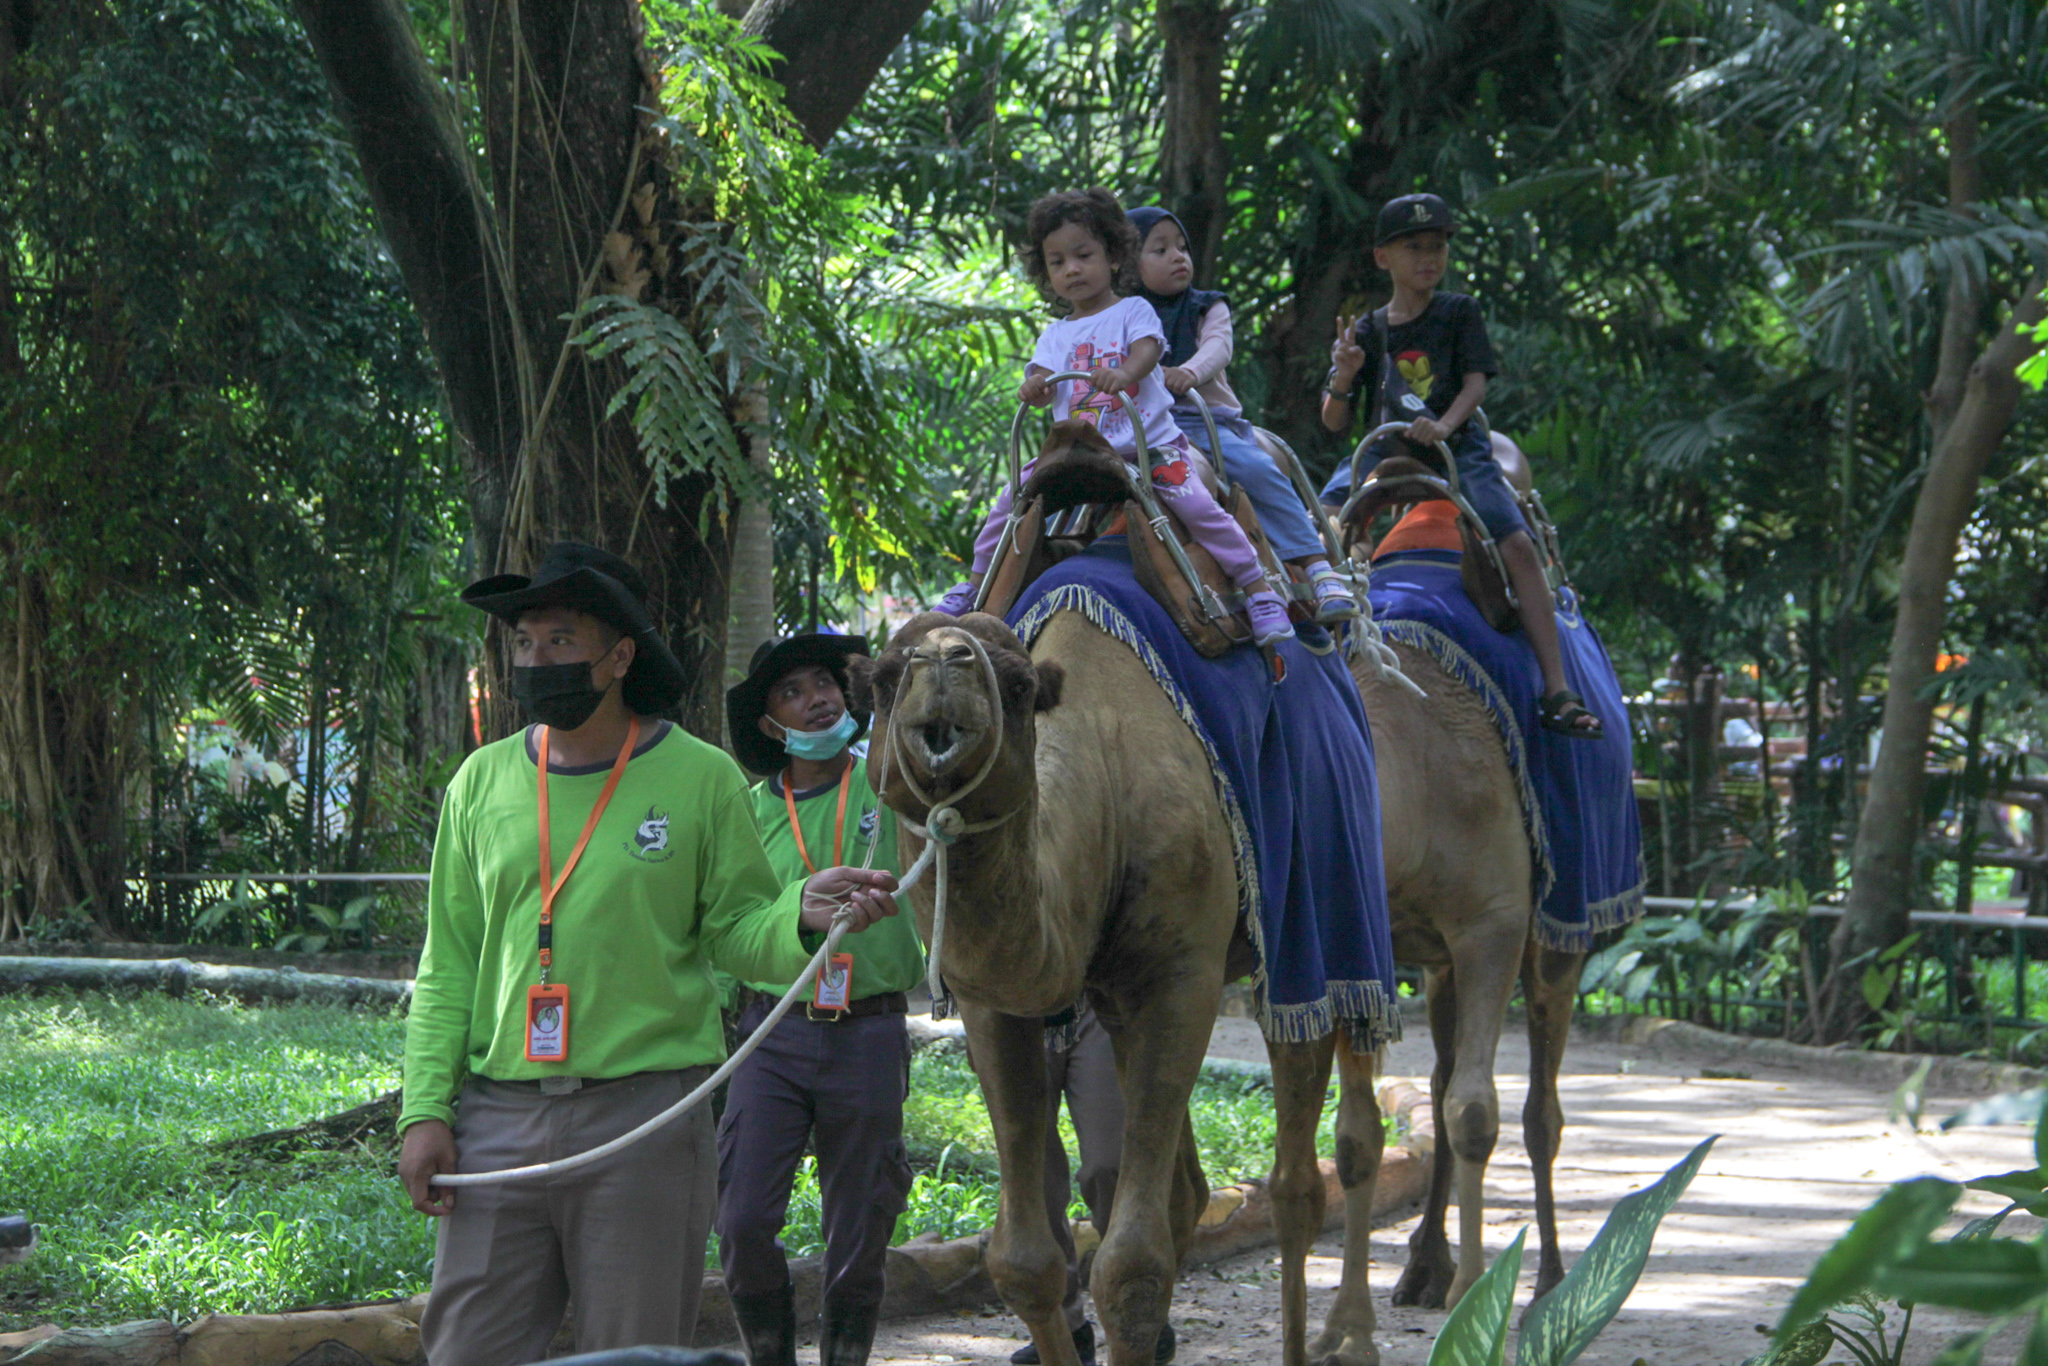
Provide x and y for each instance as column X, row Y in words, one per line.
column 1891, row 1251
column 1564, row 1323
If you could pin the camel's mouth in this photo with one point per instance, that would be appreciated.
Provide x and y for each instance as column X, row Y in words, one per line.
column 941, row 740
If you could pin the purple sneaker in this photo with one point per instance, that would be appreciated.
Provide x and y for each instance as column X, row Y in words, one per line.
column 959, row 600
column 1268, row 614
column 1334, row 602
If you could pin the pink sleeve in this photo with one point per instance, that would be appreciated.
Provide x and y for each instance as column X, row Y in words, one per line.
column 1215, row 343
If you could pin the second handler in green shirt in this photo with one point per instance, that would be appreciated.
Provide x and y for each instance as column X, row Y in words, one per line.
column 836, row 1070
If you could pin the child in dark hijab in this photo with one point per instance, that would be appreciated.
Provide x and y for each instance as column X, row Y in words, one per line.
column 1199, row 342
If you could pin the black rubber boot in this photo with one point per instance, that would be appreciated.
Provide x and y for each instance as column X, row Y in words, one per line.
column 1084, row 1343
column 768, row 1326
column 847, row 1334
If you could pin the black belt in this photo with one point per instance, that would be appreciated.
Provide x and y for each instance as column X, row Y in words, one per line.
column 888, row 1003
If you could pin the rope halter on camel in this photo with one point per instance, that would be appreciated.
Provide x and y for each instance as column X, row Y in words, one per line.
column 943, row 824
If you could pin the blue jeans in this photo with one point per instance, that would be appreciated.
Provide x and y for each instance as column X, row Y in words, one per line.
column 1479, row 479
column 1285, row 520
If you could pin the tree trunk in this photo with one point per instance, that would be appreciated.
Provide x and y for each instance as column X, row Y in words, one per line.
column 66, row 758
column 831, row 50
column 1970, row 408
column 1193, row 171
column 495, row 274
column 1880, row 892
column 753, row 562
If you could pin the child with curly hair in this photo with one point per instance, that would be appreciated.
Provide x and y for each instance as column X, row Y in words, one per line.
column 1084, row 252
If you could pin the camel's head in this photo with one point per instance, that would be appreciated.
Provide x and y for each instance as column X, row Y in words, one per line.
column 934, row 714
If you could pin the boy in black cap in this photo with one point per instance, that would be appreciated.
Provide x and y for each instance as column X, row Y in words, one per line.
column 834, row 1074
column 588, row 873
column 1425, row 357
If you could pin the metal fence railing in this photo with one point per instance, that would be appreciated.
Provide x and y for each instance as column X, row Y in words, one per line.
column 1961, row 983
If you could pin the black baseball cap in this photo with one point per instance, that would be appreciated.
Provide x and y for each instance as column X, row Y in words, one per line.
column 1413, row 213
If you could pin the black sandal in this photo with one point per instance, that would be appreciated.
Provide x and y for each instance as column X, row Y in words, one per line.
column 1564, row 711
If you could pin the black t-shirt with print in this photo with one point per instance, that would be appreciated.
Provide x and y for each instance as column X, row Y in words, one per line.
column 1432, row 352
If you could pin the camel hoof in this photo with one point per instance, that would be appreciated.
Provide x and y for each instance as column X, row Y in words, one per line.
column 1546, row 1281
column 1350, row 1350
column 1424, row 1284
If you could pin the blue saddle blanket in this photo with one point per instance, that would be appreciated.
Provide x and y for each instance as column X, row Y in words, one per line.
column 1293, row 767
column 1578, row 796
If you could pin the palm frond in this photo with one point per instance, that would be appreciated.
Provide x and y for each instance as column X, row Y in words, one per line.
column 679, row 407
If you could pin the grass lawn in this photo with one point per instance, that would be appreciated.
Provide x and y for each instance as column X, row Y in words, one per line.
column 108, row 1106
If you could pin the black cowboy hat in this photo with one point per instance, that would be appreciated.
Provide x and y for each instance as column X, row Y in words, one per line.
column 598, row 582
column 746, row 701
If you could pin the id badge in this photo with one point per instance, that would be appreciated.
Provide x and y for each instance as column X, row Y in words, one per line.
column 547, row 1024
column 835, row 984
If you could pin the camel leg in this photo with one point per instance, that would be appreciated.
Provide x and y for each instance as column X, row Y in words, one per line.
column 1471, row 1108
column 1427, row 1278
column 1550, row 987
column 1161, row 1043
column 1346, row 1338
column 1028, row 1269
column 1301, row 1078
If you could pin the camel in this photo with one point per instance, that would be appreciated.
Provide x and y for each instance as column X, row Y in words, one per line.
column 1109, row 867
column 1124, row 886
column 1460, row 896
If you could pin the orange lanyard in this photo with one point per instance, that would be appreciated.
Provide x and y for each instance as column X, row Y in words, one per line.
column 549, row 886
column 838, row 827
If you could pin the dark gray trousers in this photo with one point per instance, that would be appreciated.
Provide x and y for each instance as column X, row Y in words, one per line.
column 845, row 1084
column 1086, row 1078
column 624, row 1237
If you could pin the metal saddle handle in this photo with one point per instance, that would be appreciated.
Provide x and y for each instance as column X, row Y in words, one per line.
column 1447, row 488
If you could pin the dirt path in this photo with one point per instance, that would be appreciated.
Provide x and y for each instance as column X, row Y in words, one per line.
column 1799, row 1156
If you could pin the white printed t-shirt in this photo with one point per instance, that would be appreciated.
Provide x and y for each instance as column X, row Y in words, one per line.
column 1101, row 339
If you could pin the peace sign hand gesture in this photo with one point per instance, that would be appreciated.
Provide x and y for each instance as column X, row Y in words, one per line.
column 1346, row 355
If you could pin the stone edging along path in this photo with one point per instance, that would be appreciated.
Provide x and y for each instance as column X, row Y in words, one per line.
column 1879, row 1071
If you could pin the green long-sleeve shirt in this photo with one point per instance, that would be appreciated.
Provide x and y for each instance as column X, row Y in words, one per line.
column 673, row 881
column 886, row 955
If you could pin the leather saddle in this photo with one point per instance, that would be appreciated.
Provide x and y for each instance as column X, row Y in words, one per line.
column 1401, row 480
column 1081, row 489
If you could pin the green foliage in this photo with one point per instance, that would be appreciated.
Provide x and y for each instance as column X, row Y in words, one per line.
column 224, row 484
column 1890, row 1251
column 158, row 1224
column 1476, row 1332
column 1564, row 1323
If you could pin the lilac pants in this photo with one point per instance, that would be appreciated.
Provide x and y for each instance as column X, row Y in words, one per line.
column 1181, row 493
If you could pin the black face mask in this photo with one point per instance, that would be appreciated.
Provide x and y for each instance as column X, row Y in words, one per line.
column 559, row 696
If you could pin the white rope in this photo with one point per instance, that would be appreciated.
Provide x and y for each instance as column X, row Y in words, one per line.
column 1368, row 642
column 943, row 823
column 840, row 921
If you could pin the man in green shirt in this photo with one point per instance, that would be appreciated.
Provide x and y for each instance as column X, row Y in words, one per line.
column 836, row 1072
column 554, row 1012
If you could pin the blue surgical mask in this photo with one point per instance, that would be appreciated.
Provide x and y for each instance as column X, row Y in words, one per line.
column 817, row 745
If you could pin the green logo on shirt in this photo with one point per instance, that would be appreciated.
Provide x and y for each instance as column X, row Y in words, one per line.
column 650, row 839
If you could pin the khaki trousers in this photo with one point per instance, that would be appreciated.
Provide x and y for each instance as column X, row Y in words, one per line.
column 624, row 1237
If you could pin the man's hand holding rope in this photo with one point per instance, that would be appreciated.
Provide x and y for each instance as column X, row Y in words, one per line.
column 863, row 895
